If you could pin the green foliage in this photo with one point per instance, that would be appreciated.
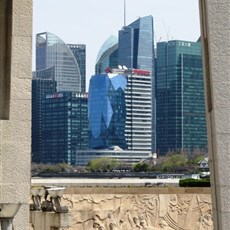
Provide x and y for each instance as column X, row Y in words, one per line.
column 174, row 162
column 102, row 165
column 56, row 168
column 179, row 162
column 141, row 167
column 194, row 182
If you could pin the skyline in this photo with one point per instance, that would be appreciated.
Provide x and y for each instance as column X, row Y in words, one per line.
column 73, row 25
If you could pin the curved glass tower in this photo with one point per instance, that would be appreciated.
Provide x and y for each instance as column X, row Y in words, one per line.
column 107, row 56
column 51, row 51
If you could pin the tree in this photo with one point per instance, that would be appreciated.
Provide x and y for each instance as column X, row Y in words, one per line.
column 141, row 167
column 102, row 164
column 174, row 162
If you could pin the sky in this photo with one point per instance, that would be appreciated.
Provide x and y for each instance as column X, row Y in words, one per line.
column 91, row 22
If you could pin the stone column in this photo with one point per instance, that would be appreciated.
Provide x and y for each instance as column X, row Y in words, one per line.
column 215, row 28
column 15, row 89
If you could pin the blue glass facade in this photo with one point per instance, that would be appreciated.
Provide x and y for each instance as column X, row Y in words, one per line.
column 107, row 110
column 42, row 83
column 136, row 45
column 64, row 126
column 51, row 51
column 180, row 104
column 120, row 110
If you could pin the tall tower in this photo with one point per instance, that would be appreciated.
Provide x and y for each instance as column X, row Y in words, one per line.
column 136, row 44
column 180, row 104
column 136, row 50
column 59, row 68
column 107, row 110
column 42, row 83
column 64, row 126
column 79, row 52
column 120, row 110
column 52, row 51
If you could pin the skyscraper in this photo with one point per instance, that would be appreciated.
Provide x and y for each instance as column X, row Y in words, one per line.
column 120, row 110
column 59, row 68
column 79, row 52
column 107, row 55
column 51, row 51
column 64, row 126
column 136, row 50
column 107, row 111
column 136, row 44
column 42, row 83
column 180, row 104
column 138, row 98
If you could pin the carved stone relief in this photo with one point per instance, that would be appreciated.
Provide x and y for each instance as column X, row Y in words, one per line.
column 137, row 212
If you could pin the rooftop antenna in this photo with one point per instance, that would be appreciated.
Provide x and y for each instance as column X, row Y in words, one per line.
column 124, row 13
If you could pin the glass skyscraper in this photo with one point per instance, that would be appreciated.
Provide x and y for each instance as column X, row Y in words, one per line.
column 136, row 50
column 51, row 51
column 79, row 52
column 42, row 83
column 106, row 111
column 180, row 104
column 59, row 68
column 136, row 44
column 120, row 110
column 64, row 126
column 107, row 55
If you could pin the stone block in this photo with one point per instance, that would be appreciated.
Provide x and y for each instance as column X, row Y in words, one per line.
column 219, row 11
column 20, row 110
column 220, row 74
column 22, row 8
column 22, row 26
column 217, row 45
column 20, row 89
column 15, row 165
column 23, row 50
column 17, row 131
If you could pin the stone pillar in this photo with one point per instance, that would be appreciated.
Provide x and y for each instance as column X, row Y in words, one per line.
column 15, row 103
column 215, row 28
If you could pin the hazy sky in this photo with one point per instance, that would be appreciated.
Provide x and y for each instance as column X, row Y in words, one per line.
column 91, row 22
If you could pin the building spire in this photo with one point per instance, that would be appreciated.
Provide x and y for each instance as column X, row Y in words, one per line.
column 124, row 13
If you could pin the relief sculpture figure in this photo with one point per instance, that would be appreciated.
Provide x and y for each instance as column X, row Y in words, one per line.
column 142, row 212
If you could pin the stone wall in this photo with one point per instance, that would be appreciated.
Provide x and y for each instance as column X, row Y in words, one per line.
column 15, row 105
column 139, row 208
column 215, row 30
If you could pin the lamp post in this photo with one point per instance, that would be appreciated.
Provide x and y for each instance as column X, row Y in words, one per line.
column 7, row 213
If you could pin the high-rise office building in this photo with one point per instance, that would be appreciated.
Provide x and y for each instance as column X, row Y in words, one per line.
column 136, row 50
column 51, row 51
column 180, row 104
column 138, row 98
column 120, row 110
column 42, row 83
column 106, row 111
column 59, row 68
column 107, row 55
column 64, row 126
column 79, row 52
column 136, row 44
